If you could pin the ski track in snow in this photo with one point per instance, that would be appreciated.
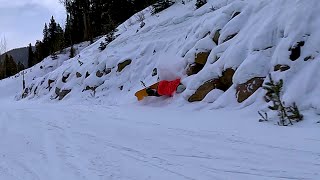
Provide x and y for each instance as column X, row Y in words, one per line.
column 111, row 142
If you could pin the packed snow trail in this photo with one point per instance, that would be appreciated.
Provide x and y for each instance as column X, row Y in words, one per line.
column 96, row 142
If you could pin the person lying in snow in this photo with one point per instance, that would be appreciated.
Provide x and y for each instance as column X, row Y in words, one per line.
column 166, row 88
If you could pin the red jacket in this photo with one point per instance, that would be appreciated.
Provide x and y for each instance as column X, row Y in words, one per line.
column 167, row 88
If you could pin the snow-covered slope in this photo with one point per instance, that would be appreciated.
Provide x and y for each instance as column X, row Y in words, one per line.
column 99, row 131
column 242, row 41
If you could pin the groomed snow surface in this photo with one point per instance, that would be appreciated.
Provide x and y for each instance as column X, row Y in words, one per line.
column 108, row 135
column 98, row 142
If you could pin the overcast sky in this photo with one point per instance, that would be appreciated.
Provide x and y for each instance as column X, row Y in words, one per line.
column 22, row 21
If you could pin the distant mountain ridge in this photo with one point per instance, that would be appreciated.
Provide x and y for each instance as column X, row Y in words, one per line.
column 18, row 54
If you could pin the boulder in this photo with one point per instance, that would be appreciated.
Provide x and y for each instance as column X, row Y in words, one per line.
column 223, row 83
column 245, row 90
column 235, row 14
column 309, row 58
column 65, row 77
column 107, row 71
column 201, row 58
column 216, row 36
column 281, row 67
column 194, row 69
column 229, row 37
column 78, row 75
column 50, row 81
column 204, row 89
column 99, row 74
column 226, row 79
column 124, row 64
column 296, row 51
column 90, row 88
column 63, row 93
column 154, row 72
column 87, row 74
column 57, row 91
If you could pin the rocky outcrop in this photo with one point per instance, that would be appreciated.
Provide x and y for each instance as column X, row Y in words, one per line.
column 201, row 58
column 281, row 67
column 223, row 83
column 108, row 70
column 216, row 36
column 204, row 89
column 78, row 75
column 199, row 62
column 87, row 74
column 90, row 88
column 226, row 79
column 296, row 51
column 65, row 77
column 124, row 64
column 235, row 14
column 99, row 74
column 50, row 81
column 229, row 37
column 63, row 93
column 245, row 90
column 154, row 72
column 57, row 91
column 309, row 58
column 194, row 68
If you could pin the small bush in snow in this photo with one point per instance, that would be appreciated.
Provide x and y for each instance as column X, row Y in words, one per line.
column 200, row 3
column 286, row 114
column 102, row 46
column 109, row 38
column 54, row 56
column 140, row 17
column 142, row 24
column 161, row 5
column 212, row 8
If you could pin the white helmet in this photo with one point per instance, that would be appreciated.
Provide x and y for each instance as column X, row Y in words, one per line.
column 180, row 88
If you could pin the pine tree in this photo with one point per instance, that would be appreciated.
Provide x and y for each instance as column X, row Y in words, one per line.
column 2, row 75
column 286, row 114
column 30, row 56
column 39, row 53
column 161, row 5
column 52, row 38
column 67, row 33
column 45, row 49
column 10, row 66
column 13, row 66
column 59, row 43
column 91, row 18
column 6, row 66
column 20, row 67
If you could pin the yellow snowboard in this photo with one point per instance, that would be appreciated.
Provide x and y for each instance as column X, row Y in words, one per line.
column 143, row 93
